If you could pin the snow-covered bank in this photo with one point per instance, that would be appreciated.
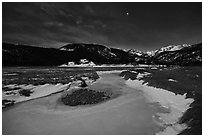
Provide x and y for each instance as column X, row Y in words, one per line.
column 87, row 63
column 175, row 104
column 114, row 65
column 36, row 91
column 92, row 64
column 96, row 66
column 10, row 74
column 82, row 63
column 109, row 72
column 77, row 65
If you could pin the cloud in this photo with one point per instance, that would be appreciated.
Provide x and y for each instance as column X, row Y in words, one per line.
column 50, row 24
column 89, row 9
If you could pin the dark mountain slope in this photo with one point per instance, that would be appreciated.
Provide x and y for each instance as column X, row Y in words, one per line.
column 97, row 53
column 22, row 55
column 191, row 55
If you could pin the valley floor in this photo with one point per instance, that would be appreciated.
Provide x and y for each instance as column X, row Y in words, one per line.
column 138, row 108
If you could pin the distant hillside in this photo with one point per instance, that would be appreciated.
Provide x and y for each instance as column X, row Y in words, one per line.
column 97, row 53
column 23, row 55
column 189, row 55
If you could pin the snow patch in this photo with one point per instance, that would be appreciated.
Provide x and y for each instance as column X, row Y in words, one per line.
column 172, row 80
column 135, row 52
column 10, row 74
column 83, row 63
column 37, row 91
column 154, row 68
column 109, row 72
column 92, row 64
column 140, row 75
column 143, row 65
column 115, row 65
column 66, row 49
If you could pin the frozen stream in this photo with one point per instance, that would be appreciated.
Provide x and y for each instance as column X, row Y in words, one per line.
column 127, row 114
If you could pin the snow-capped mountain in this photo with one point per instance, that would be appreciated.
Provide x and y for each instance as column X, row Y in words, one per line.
column 135, row 52
column 151, row 53
column 179, row 55
column 172, row 48
column 167, row 48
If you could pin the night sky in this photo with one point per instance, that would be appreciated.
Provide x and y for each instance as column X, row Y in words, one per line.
column 142, row 26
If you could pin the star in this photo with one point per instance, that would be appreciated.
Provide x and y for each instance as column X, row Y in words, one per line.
column 127, row 13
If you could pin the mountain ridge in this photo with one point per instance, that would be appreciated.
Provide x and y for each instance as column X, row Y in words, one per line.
column 29, row 55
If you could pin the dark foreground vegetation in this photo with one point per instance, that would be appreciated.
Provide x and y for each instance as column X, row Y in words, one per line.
column 85, row 96
column 7, row 103
column 189, row 82
column 25, row 92
column 9, row 91
column 129, row 75
column 45, row 75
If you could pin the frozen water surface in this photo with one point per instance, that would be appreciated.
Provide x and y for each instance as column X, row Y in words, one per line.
column 129, row 113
